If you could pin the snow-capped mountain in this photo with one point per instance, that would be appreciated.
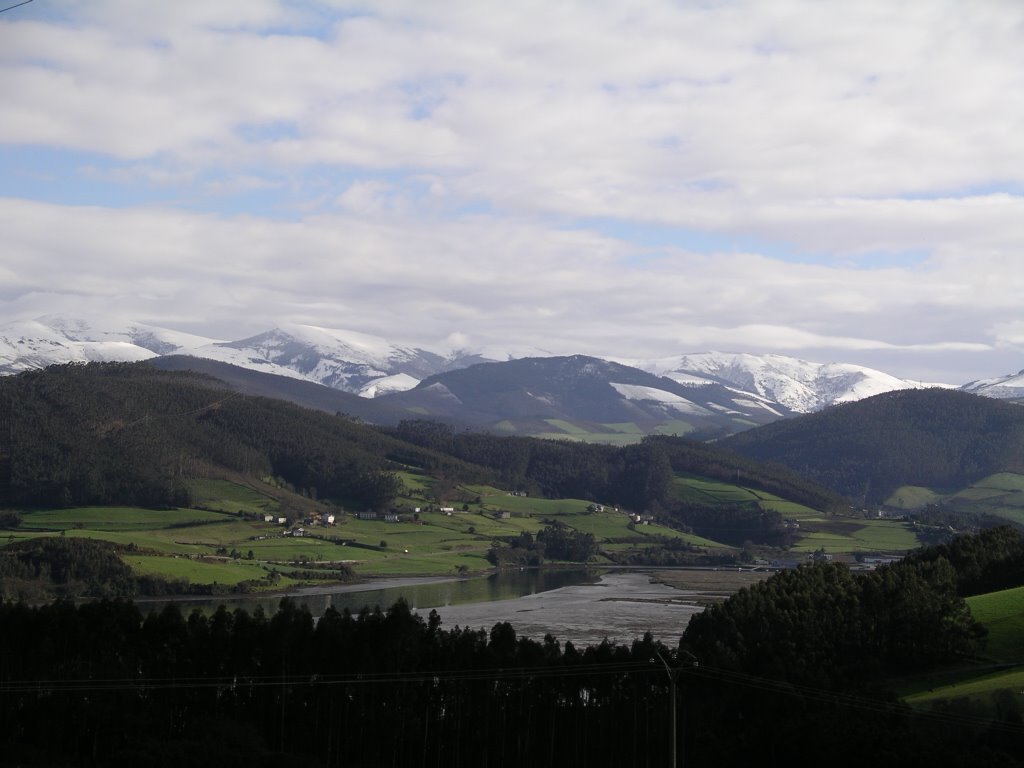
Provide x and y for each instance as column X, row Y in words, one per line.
column 800, row 386
column 346, row 360
column 54, row 339
column 1004, row 387
column 578, row 395
column 373, row 367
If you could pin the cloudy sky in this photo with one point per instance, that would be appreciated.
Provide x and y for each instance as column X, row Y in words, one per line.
column 835, row 181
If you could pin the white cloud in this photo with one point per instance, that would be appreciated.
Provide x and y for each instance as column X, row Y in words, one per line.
column 446, row 170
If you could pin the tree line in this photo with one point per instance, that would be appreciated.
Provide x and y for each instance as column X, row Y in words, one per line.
column 785, row 671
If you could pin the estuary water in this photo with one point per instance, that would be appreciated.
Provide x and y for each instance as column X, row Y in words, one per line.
column 581, row 605
column 619, row 606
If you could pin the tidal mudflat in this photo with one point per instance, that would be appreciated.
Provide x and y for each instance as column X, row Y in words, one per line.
column 619, row 606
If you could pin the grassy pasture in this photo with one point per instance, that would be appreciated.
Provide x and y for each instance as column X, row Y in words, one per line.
column 698, row 490
column 1002, row 613
column 493, row 499
column 116, row 518
column 1001, row 494
column 400, row 564
column 228, row 572
column 977, row 691
column 790, row 509
column 913, row 497
column 436, row 543
column 1005, row 481
column 415, row 483
column 293, row 548
column 567, row 427
column 839, row 536
column 147, row 541
column 835, row 534
column 624, row 427
column 226, row 496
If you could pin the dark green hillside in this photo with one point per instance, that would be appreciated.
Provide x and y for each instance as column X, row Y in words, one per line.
column 128, row 434
column 132, row 435
column 934, row 438
column 297, row 391
column 637, row 476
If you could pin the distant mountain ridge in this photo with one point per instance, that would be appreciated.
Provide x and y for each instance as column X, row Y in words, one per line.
column 799, row 385
column 346, row 360
column 579, row 394
column 1004, row 387
column 712, row 392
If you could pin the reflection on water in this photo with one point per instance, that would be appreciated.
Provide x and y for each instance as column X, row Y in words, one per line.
column 584, row 606
column 420, row 592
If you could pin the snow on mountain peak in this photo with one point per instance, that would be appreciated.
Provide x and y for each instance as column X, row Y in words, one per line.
column 32, row 344
column 799, row 385
column 1010, row 387
column 372, row 366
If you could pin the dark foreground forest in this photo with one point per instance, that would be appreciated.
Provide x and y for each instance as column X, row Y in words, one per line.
column 789, row 671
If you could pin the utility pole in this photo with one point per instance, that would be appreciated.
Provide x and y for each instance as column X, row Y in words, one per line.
column 673, row 676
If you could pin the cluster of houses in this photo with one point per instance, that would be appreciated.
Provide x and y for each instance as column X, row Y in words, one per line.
column 640, row 519
column 314, row 519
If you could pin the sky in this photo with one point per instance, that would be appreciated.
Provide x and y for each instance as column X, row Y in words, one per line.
column 834, row 181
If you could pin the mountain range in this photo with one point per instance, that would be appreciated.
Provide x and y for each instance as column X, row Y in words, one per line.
column 705, row 394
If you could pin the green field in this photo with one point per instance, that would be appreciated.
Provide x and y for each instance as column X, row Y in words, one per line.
column 1001, row 494
column 568, row 428
column 1002, row 613
column 835, row 534
column 222, row 571
column 847, row 535
column 415, row 483
column 698, row 490
column 192, row 543
column 115, row 518
column 494, row 499
column 226, row 496
column 913, row 497
column 976, row 689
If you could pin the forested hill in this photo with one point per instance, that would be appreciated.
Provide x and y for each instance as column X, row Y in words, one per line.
column 118, row 433
column 637, row 476
column 936, row 438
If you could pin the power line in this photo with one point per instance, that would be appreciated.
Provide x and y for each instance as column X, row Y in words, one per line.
column 17, row 5
column 523, row 674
